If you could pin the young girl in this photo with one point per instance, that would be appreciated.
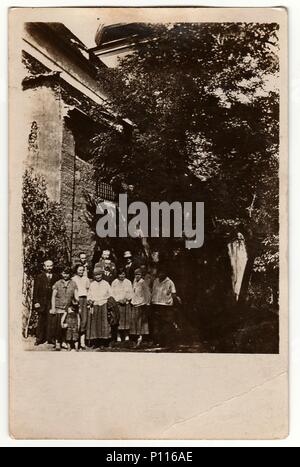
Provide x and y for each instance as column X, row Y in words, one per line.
column 83, row 285
column 98, row 327
column 63, row 293
column 139, row 325
column 71, row 322
column 122, row 293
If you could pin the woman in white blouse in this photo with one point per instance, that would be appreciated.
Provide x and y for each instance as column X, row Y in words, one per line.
column 122, row 293
column 98, row 295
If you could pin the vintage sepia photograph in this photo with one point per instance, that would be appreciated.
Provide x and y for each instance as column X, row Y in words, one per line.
column 148, row 235
column 150, row 206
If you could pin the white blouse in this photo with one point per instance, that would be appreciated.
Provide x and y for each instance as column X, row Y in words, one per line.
column 99, row 292
column 141, row 293
column 162, row 293
column 122, row 290
column 83, row 284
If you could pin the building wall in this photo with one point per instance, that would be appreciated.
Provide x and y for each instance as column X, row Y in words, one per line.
column 55, row 46
column 67, row 180
column 52, row 154
column 44, row 123
column 65, row 106
column 76, row 182
column 83, row 239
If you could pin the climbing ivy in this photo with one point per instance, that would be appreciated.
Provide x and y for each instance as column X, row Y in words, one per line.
column 44, row 237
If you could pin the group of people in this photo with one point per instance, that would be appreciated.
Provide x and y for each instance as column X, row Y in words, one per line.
column 93, row 306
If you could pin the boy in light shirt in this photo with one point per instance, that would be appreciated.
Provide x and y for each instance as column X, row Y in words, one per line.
column 163, row 298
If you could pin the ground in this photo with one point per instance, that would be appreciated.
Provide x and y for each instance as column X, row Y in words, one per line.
column 247, row 331
column 194, row 347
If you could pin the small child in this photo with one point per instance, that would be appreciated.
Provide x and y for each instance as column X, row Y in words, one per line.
column 139, row 325
column 71, row 322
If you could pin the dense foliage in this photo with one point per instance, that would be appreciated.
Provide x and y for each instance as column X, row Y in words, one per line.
column 44, row 236
column 205, row 105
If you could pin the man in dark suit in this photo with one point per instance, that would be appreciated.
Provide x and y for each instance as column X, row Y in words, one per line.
column 129, row 265
column 42, row 293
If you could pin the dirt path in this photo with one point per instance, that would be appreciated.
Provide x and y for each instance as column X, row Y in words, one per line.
column 194, row 347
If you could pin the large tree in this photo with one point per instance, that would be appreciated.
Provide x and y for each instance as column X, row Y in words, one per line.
column 205, row 105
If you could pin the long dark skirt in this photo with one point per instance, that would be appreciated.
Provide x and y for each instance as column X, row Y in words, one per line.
column 139, row 325
column 83, row 311
column 98, row 326
column 55, row 329
column 125, row 315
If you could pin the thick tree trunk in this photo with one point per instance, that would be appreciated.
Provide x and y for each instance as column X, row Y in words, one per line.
column 253, row 251
column 246, row 280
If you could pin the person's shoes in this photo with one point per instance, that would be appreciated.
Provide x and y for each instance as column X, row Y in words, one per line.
column 82, row 342
column 64, row 346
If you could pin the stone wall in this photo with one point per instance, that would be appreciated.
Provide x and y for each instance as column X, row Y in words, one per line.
column 44, row 123
column 76, row 182
column 83, row 239
column 67, row 177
